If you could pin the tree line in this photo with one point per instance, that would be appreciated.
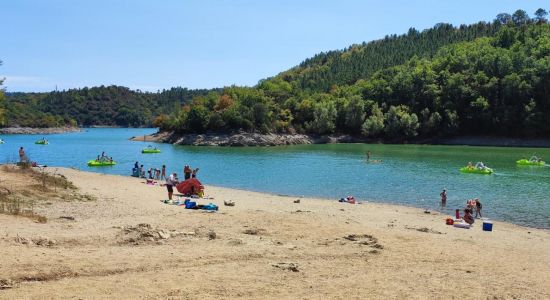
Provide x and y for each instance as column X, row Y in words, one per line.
column 104, row 105
column 486, row 78
column 496, row 84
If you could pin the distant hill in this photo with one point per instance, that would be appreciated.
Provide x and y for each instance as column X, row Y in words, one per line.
column 104, row 105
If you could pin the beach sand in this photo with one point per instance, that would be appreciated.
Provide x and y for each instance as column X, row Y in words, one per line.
column 265, row 247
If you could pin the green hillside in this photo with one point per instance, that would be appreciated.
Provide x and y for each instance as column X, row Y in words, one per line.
column 485, row 78
column 496, row 85
column 111, row 106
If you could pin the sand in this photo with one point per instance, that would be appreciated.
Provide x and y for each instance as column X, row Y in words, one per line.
column 125, row 244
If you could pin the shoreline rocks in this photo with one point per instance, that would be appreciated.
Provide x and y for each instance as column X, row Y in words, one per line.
column 31, row 130
column 241, row 139
column 247, row 139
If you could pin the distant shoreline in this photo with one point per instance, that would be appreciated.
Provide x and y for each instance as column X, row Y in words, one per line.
column 33, row 130
column 244, row 139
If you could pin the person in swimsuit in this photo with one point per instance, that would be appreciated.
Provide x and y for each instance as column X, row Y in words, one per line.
column 443, row 197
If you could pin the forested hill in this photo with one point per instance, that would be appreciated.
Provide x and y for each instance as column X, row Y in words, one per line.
column 321, row 72
column 104, row 105
column 486, row 78
column 496, row 85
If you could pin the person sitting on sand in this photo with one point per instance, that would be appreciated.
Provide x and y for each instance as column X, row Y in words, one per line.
column 468, row 216
column 478, row 208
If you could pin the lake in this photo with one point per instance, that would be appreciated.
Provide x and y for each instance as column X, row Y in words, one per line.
column 412, row 175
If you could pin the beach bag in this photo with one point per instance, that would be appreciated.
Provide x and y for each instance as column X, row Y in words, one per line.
column 190, row 204
column 210, row 206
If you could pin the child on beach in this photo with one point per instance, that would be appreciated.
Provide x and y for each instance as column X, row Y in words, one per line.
column 478, row 208
column 194, row 173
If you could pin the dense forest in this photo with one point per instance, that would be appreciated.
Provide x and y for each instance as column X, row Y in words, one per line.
column 110, row 106
column 487, row 78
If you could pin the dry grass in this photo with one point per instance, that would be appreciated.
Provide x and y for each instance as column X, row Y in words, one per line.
column 23, row 187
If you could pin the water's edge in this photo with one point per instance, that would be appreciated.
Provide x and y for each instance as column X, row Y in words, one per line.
column 273, row 139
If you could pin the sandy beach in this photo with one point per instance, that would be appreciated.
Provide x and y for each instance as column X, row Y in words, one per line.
column 111, row 237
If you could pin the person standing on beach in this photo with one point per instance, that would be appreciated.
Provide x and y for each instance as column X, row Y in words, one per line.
column 163, row 174
column 478, row 208
column 22, row 157
column 187, row 172
column 443, row 197
column 170, row 183
column 194, row 173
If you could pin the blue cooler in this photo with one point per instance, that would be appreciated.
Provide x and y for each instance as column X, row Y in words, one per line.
column 487, row 226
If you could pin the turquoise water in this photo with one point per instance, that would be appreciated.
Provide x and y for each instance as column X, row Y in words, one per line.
column 412, row 175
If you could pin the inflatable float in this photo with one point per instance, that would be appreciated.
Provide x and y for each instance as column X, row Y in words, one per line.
column 526, row 162
column 41, row 142
column 473, row 170
column 96, row 163
column 150, row 150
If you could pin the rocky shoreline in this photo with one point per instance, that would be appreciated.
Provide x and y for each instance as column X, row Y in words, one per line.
column 31, row 130
column 241, row 139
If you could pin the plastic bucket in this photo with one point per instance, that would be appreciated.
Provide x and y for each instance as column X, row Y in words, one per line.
column 487, row 226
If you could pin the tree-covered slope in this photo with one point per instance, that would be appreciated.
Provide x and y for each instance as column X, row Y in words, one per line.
column 496, row 85
column 104, row 105
column 324, row 70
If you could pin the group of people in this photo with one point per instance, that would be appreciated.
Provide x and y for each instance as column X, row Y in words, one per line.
column 188, row 172
column 479, row 165
column 173, row 180
column 152, row 173
column 104, row 158
column 471, row 206
column 535, row 158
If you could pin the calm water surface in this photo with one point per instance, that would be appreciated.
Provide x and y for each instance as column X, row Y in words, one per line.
column 408, row 174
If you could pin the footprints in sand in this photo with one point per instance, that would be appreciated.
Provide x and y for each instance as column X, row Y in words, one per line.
column 364, row 240
column 293, row 267
column 144, row 233
column 424, row 229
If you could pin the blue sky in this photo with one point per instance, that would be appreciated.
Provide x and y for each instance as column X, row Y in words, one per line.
column 151, row 45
